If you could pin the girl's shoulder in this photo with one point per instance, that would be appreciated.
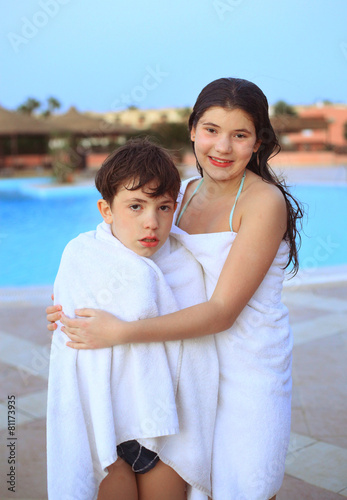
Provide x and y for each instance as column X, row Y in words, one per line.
column 258, row 191
column 190, row 184
column 187, row 187
column 261, row 202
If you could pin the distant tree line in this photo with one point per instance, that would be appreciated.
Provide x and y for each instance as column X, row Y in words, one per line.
column 172, row 135
column 282, row 108
column 31, row 105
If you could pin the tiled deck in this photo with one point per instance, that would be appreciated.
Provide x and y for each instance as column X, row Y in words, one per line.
column 316, row 467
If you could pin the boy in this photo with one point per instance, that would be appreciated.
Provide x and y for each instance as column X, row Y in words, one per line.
column 105, row 405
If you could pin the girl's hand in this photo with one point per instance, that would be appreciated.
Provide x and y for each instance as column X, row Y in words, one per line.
column 95, row 329
column 53, row 315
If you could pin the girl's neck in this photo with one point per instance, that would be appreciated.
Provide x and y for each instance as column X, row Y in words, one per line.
column 216, row 189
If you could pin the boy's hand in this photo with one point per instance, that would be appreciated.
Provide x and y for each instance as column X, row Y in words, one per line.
column 53, row 315
column 95, row 329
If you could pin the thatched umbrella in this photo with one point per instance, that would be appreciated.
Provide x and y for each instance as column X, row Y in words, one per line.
column 80, row 124
column 14, row 124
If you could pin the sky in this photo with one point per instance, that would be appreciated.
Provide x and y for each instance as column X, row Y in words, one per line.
column 107, row 55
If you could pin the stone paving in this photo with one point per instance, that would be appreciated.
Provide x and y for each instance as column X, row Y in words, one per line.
column 316, row 466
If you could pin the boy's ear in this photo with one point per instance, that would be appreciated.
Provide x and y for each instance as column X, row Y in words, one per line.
column 105, row 210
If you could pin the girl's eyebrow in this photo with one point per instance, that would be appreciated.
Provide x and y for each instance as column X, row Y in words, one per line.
column 243, row 130
column 210, row 124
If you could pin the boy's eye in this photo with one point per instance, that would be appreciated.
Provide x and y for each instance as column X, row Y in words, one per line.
column 135, row 207
column 165, row 208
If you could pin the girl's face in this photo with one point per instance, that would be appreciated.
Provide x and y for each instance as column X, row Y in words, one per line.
column 224, row 142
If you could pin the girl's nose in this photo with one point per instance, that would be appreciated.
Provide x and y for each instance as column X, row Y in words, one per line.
column 223, row 145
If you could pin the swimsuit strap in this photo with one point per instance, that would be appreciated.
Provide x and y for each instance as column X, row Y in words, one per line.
column 185, row 206
column 232, row 210
column 237, row 197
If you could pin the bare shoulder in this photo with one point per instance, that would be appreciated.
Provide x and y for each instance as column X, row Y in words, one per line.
column 263, row 203
column 259, row 189
column 262, row 194
column 191, row 185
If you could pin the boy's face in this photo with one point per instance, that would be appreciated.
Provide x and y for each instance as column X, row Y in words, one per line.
column 142, row 223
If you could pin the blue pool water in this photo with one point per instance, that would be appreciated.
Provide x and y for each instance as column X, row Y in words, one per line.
column 324, row 232
column 36, row 224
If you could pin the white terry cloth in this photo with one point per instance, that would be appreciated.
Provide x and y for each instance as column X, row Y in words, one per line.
column 191, row 449
column 100, row 398
column 255, row 355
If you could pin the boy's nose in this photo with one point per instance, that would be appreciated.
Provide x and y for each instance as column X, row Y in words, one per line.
column 151, row 221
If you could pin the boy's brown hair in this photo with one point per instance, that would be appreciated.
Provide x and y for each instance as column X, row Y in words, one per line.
column 134, row 165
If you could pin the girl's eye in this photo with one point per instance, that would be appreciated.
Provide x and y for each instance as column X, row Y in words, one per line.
column 240, row 136
column 135, row 208
column 211, row 130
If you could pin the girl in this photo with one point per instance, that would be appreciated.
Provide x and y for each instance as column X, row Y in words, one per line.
column 240, row 223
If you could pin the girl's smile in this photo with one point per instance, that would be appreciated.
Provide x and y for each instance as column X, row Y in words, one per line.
column 218, row 162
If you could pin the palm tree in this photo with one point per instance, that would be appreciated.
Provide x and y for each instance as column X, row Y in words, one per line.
column 29, row 106
column 52, row 104
column 282, row 108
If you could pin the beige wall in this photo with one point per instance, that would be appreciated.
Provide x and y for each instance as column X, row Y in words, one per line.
column 144, row 118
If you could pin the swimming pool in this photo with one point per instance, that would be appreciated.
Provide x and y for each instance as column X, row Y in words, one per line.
column 37, row 222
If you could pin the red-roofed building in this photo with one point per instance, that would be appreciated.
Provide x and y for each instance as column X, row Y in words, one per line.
column 330, row 137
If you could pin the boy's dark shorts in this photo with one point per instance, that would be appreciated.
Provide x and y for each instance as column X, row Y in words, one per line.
column 140, row 458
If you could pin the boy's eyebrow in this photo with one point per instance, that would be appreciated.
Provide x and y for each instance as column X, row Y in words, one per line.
column 167, row 200
column 140, row 200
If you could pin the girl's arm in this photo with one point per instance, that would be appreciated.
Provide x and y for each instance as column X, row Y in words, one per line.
column 53, row 315
column 261, row 231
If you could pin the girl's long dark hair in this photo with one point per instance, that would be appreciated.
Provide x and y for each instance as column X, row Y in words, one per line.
column 235, row 93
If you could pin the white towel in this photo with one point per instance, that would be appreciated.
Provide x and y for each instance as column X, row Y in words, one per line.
column 100, row 398
column 253, row 416
column 191, row 449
